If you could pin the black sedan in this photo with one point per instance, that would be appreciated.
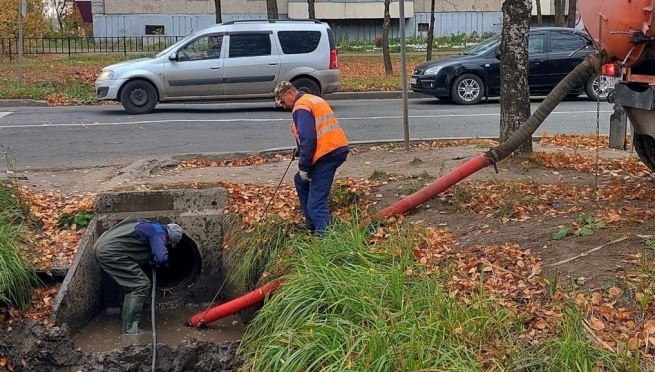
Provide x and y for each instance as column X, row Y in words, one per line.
column 468, row 77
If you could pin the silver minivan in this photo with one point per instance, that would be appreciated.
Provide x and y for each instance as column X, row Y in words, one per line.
column 232, row 60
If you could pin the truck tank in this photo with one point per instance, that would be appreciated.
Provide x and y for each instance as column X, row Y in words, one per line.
column 623, row 29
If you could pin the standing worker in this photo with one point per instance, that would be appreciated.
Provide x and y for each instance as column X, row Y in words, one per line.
column 322, row 148
column 123, row 249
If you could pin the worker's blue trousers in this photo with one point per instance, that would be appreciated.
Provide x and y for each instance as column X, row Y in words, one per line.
column 314, row 195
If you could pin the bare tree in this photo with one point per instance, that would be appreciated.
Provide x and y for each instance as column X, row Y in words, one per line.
column 514, row 88
column 388, row 67
column 430, row 40
column 63, row 9
column 540, row 19
column 573, row 6
column 219, row 12
column 271, row 9
column 312, row 8
column 559, row 12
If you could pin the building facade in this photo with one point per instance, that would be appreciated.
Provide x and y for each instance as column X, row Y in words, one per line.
column 350, row 19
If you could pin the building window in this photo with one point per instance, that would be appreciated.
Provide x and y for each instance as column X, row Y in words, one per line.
column 423, row 27
column 299, row 42
column 250, row 45
column 154, row 30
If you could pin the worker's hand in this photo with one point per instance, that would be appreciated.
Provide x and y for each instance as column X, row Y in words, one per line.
column 304, row 176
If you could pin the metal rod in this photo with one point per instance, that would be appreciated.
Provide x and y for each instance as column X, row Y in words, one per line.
column 152, row 319
column 403, row 72
column 20, row 42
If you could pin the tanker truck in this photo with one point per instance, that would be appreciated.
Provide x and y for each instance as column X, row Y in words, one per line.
column 623, row 31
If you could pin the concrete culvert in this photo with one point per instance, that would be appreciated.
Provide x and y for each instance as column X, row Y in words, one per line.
column 184, row 266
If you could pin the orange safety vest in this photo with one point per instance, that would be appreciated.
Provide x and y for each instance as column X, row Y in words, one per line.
column 329, row 135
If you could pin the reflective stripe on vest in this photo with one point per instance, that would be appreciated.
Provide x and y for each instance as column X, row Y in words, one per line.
column 329, row 134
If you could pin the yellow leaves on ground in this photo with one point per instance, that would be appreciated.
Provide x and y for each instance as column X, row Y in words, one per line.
column 55, row 247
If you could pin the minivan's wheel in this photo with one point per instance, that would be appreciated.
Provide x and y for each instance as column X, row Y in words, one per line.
column 307, row 85
column 468, row 89
column 139, row 97
column 645, row 147
column 598, row 87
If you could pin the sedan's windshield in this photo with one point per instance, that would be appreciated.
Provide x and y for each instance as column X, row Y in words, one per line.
column 181, row 42
column 484, row 46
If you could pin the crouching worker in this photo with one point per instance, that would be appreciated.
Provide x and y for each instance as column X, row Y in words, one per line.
column 322, row 147
column 123, row 249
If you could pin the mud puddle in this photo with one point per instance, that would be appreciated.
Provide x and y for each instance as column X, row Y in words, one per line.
column 103, row 332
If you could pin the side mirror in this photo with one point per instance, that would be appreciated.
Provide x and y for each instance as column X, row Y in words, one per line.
column 172, row 57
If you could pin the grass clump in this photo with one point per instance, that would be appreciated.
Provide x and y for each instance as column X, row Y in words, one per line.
column 350, row 304
column 16, row 277
column 254, row 255
column 347, row 305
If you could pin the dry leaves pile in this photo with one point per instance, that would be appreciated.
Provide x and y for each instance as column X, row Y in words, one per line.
column 508, row 274
column 54, row 247
column 623, row 316
column 250, row 200
column 624, row 167
column 236, row 162
column 520, row 201
column 575, row 141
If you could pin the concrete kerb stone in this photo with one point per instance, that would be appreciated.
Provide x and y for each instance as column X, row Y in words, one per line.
column 22, row 103
column 222, row 156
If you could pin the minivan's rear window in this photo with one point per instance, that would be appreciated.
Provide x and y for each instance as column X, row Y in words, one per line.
column 299, row 42
column 250, row 45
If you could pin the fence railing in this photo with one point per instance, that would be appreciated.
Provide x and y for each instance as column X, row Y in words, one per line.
column 74, row 45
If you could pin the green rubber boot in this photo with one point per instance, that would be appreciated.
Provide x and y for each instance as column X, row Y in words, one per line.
column 131, row 314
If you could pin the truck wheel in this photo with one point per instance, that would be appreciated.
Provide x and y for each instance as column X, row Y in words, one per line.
column 645, row 147
column 468, row 89
column 598, row 87
column 139, row 97
column 307, row 85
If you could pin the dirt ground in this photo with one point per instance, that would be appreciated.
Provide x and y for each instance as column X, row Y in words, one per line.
column 402, row 172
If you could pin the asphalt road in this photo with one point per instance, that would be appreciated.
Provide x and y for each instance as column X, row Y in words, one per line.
column 68, row 137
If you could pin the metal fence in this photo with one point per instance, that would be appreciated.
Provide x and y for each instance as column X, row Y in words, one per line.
column 74, row 45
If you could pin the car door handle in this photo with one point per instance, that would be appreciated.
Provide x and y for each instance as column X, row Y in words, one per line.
column 272, row 63
column 538, row 61
column 215, row 67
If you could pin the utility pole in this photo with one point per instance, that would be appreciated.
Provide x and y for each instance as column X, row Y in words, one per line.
column 403, row 71
column 22, row 11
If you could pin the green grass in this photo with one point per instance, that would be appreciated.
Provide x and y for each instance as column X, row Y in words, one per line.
column 348, row 305
column 252, row 253
column 16, row 276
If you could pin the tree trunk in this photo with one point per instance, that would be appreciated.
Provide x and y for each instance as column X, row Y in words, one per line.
column 312, row 9
column 430, row 32
column 572, row 12
column 271, row 9
column 559, row 12
column 514, row 89
column 540, row 19
column 219, row 12
column 388, row 67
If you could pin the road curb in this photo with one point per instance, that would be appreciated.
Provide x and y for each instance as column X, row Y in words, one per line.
column 221, row 156
column 344, row 96
column 22, row 103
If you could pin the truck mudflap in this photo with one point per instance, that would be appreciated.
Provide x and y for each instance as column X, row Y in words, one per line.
column 639, row 96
